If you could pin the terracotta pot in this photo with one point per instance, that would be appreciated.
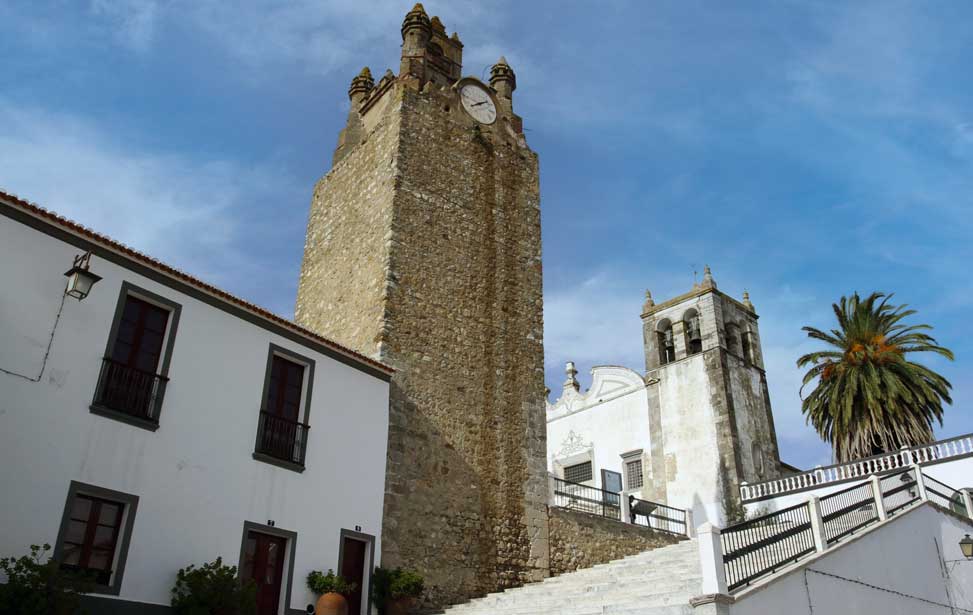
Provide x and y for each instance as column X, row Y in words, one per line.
column 331, row 604
column 400, row 606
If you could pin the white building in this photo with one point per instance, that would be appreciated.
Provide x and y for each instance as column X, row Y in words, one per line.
column 691, row 428
column 160, row 422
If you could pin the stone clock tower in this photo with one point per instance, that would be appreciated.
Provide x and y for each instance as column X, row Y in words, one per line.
column 423, row 250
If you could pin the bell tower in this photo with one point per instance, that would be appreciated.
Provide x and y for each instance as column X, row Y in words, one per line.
column 710, row 418
column 423, row 250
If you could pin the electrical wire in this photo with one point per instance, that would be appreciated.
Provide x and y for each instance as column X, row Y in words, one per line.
column 50, row 342
column 886, row 590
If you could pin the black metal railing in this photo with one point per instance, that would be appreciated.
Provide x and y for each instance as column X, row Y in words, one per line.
column 760, row 546
column 282, row 438
column 657, row 516
column 129, row 390
column 898, row 491
column 585, row 498
column 940, row 493
column 847, row 511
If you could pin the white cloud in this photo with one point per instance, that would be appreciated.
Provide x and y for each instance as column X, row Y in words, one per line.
column 261, row 35
column 176, row 208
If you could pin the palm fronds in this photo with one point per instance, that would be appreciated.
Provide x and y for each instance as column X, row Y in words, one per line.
column 869, row 398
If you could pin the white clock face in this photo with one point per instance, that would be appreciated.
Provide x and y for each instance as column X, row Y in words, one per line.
column 478, row 103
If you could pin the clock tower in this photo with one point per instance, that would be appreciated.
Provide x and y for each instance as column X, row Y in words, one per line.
column 423, row 250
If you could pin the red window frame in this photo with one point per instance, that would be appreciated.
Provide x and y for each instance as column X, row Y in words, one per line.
column 286, row 388
column 141, row 334
column 91, row 538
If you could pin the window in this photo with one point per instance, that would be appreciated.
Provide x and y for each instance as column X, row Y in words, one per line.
column 745, row 346
column 282, row 428
column 578, row 473
column 694, row 339
column 732, row 338
column 667, row 344
column 133, row 374
column 633, row 474
column 95, row 532
column 92, row 536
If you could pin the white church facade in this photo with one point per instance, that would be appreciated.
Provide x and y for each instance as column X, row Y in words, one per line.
column 687, row 431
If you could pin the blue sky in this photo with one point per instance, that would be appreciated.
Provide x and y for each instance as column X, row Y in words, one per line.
column 803, row 149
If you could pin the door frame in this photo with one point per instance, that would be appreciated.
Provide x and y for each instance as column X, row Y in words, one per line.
column 369, row 541
column 290, row 548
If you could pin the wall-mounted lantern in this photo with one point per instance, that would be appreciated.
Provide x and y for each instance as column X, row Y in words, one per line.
column 80, row 280
column 966, row 546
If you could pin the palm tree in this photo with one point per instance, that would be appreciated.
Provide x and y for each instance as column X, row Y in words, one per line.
column 869, row 398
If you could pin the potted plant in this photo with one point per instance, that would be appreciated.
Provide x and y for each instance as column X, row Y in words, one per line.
column 395, row 591
column 332, row 589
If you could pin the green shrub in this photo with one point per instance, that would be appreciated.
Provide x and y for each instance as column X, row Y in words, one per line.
column 328, row 583
column 406, row 584
column 388, row 585
column 35, row 586
column 213, row 589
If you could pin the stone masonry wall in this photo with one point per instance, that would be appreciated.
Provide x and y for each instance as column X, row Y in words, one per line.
column 580, row 540
column 424, row 250
column 342, row 288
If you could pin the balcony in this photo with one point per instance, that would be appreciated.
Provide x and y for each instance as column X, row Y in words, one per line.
column 281, row 441
column 129, row 394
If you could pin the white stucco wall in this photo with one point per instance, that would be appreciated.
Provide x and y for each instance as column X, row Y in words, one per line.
column 690, row 433
column 906, row 556
column 195, row 476
column 601, row 424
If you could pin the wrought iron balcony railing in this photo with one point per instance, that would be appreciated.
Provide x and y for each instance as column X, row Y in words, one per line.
column 282, row 438
column 129, row 390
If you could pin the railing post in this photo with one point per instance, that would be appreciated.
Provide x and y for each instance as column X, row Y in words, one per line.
column 906, row 456
column 817, row 524
column 551, row 499
column 879, row 499
column 711, row 559
column 691, row 529
column 968, row 500
column 624, row 508
column 920, row 482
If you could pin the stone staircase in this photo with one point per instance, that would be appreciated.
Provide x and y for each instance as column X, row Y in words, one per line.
column 657, row 582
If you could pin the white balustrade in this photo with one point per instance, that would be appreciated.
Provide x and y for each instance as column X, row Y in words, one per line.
column 861, row 468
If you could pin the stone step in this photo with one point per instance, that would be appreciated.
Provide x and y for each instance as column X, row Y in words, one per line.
column 552, row 604
column 657, row 582
column 612, row 609
column 647, row 585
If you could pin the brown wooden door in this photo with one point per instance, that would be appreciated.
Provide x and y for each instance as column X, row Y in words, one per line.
column 353, row 569
column 263, row 561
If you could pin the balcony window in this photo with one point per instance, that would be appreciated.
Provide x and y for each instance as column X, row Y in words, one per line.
column 132, row 379
column 282, row 428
